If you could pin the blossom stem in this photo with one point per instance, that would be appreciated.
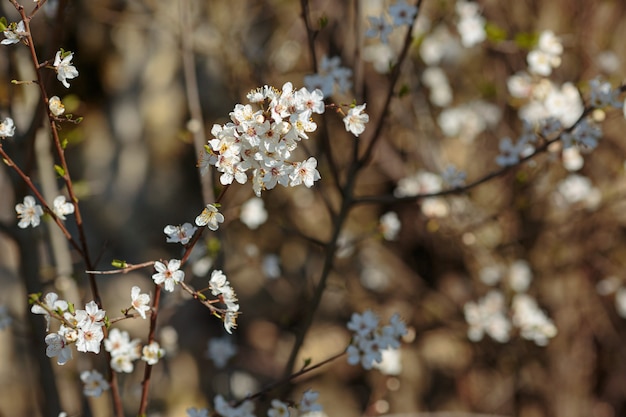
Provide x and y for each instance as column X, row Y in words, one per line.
column 148, row 371
column 119, row 411
column 40, row 198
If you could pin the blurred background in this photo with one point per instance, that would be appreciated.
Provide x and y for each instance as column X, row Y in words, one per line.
column 134, row 157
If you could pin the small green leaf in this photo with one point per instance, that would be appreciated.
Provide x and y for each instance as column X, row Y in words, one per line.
column 323, row 22
column 59, row 170
column 404, row 90
column 495, row 33
column 522, row 177
column 3, row 23
column 119, row 263
column 64, row 53
column 64, row 143
column 307, row 362
column 34, row 297
column 526, row 40
column 213, row 245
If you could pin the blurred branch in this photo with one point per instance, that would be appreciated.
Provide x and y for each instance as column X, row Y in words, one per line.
column 390, row 198
column 346, row 205
column 193, row 97
column 393, row 80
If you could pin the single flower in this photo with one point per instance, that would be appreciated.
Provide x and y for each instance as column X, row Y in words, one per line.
column 14, row 33
column 64, row 68
column 210, row 217
column 168, row 275
column 7, row 128
column 29, row 212
column 355, row 120
column 61, row 207
column 140, row 301
column 56, row 106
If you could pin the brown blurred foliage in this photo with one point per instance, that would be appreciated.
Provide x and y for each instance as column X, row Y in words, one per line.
column 134, row 163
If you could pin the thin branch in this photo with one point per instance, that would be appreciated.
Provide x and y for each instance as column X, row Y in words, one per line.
column 148, row 371
column 29, row 183
column 290, row 378
column 390, row 198
column 395, row 75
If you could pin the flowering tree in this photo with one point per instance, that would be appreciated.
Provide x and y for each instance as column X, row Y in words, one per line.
column 440, row 185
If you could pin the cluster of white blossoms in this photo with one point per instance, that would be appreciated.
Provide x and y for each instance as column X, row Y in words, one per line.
column 307, row 404
column 169, row 274
column 220, row 287
column 370, row 340
column 492, row 316
column 123, row 350
column 83, row 328
column 262, row 140
column 548, row 109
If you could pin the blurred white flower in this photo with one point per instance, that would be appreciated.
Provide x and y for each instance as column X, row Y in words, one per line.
column 533, row 323
column 390, row 225
column 253, row 213
column 437, row 82
column 7, row 128
column 471, row 24
column 220, row 350
column 488, row 316
column 520, row 275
